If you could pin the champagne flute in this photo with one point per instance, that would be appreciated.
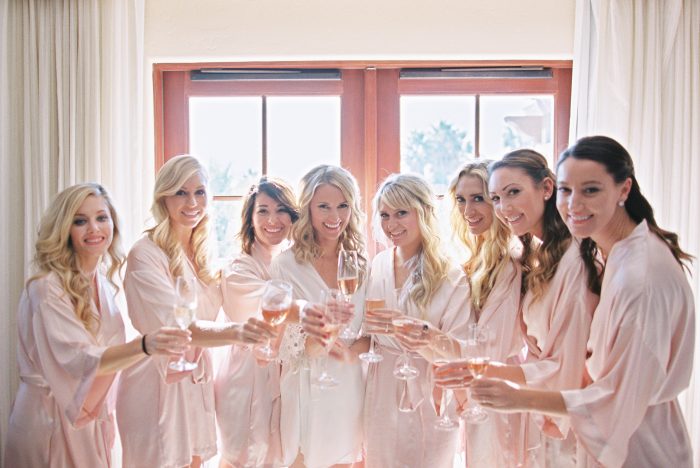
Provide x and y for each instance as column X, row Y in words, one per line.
column 442, row 345
column 372, row 356
column 331, row 300
column 404, row 370
column 348, row 281
column 348, row 272
column 408, row 396
column 275, row 304
column 477, row 363
column 184, row 313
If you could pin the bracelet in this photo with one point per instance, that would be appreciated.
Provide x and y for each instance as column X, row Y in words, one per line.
column 143, row 345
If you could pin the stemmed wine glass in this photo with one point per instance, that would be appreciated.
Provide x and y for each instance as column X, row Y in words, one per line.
column 332, row 300
column 275, row 304
column 404, row 370
column 372, row 356
column 184, row 311
column 477, row 363
column 348, row 281
column 442, row 345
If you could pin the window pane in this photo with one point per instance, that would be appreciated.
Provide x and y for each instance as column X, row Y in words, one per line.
column 226, row 134
column 437, row 134
column 225, row 223
column 512, row 122
column 303, row 131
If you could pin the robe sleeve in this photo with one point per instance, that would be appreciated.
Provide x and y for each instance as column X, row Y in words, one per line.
column 562, row 363
column 242, row 290
column 69, row 355
column 632, row 379
column 457, row 312
column 150, row 296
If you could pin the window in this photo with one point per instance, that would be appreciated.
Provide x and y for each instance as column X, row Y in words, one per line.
column 374, row 119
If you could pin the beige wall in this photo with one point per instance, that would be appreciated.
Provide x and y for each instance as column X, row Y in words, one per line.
column 192, row 30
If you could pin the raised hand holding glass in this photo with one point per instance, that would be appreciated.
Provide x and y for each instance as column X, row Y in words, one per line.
column 184, row 311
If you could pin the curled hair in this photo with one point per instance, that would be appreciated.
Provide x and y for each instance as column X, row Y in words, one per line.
column 618, row 163
column 306, row 248
column 408, row 191
column 275, row 188
column 489, row 252
column 171, row 177
column 54, row 252
column 540, row 264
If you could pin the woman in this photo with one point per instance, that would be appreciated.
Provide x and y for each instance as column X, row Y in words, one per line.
column 642, row 335
column 166, row 417
column 494, row 282
column 561, row 285
column 322, row 426
column 247, row 395
column 417, row 279
column 71, row 337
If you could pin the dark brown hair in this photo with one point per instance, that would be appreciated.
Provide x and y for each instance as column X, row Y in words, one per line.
column 275, row 188
column 540, row 266
column 618, row 163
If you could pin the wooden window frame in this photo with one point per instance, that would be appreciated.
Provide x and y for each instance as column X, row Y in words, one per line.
column 370, row 103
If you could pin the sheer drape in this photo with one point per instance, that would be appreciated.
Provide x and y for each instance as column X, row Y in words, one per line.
column 637, row 79
column 71, row 74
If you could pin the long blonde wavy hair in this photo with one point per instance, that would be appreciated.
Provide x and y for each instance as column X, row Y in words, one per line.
column 171, row 177
column 490, row 251
column 54, row 252
column 306, row 247
column 408, row 191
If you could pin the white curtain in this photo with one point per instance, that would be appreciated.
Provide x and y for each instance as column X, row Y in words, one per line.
column 71, row 107
column 636, row 78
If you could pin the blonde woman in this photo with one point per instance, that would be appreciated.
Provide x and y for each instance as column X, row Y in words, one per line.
column 414, row 277
column 166, row 417
column 494, row 281
column 322, row 427
column 247, row 394
column 71, row 337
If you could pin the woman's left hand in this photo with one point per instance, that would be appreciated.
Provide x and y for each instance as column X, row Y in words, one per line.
column 414, row 335
column 499, row 395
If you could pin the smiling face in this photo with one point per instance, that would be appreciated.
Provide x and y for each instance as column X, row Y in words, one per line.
column 470, row 199
column 588, row 197
column 400, row 226
column 92, row 230
column 271, row 220
column 518, row 201
column 188, row 206
column 330, row 213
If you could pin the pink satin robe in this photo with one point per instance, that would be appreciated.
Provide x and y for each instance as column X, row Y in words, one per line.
column 63, row 415
column 325, row 425
column 165, row 417
column 558, row 325
column 247, row 395
column 394, row 438
column 498, row 442
column 641, row 358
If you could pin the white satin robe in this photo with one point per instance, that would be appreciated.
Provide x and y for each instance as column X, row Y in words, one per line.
column 324, row 424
